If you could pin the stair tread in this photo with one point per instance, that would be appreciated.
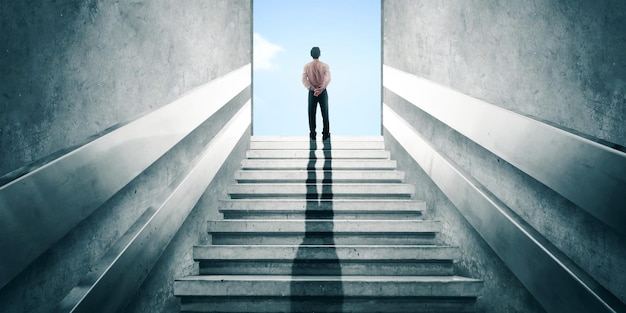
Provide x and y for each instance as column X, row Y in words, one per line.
column 336, row 208
column 324, row 191
column 335, row 204
column 342, row 253
column 334, row 226
column 311, row 171
column 331, row 145
column 342, row 278
column 317, row 154
column 292, row 175
column 306, row 138
column 330, row 185
column 343, row 285
column 252, row 164
column 334, row 247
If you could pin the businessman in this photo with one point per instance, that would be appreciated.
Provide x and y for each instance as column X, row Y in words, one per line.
column 316, row 77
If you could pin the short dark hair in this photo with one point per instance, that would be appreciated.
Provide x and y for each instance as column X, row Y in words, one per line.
column 315, row 52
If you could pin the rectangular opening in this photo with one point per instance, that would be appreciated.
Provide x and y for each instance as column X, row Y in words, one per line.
column 348, row 34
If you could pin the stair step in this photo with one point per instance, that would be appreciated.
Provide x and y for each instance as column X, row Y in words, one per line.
column 291, row 176
column 291, row 164
column 325, row 260
column 345, row 293
column 324, row 226
column 345, row 253
column 317, row 145
column 315, row 232
column 415, row 268
column 327, row 286
column 306, row 138
column 287, row 304
column 311, row 226
column 324, row 191
column 318, row 154
column 333, row 209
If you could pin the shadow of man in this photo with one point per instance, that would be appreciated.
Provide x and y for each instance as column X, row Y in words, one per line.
column 318, row 239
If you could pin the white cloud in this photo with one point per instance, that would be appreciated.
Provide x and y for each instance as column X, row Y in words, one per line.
column 263, row 53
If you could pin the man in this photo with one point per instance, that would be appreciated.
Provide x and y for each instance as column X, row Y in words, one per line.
column 316, row 77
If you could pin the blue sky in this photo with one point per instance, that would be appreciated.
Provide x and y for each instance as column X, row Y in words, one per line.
column 348, row 34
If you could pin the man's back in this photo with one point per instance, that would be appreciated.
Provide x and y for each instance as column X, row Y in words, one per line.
column 317, row 73
column 315, row 78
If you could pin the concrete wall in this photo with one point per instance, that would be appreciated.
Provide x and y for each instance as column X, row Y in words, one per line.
column 502, row 291
column 157, row 292
column 557, row 61
column 69, row 72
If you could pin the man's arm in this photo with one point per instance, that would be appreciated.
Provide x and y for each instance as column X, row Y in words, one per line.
column 326, row 76
column 305, row 79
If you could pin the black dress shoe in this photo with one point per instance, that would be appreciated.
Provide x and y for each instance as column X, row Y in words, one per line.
column 312, row 136
column 325, row 136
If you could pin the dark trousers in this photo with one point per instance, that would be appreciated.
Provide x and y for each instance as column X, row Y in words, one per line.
column 322, row 99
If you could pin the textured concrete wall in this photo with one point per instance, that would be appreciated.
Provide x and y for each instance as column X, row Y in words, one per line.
column 560, row 61
column 557, row 61
column 73, row 70
column 44, row 283
column 157, row 292
column 502, row 290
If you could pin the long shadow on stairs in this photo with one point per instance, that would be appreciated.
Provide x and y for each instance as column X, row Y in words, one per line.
column 319, row 207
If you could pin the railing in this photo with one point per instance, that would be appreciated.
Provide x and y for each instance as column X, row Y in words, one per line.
column 40, row 207
column 562, row 161
column 566, row 163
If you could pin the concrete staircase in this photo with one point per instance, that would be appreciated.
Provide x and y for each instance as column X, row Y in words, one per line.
column 324, row 227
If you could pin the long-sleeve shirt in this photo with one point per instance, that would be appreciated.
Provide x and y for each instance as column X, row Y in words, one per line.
column 316, row 75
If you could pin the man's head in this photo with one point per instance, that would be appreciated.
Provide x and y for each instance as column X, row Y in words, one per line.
column 315, row 52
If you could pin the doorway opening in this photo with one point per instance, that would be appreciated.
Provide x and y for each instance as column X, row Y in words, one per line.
column 348, row 33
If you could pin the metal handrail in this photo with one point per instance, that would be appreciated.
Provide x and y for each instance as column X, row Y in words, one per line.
column 535, row 261
column 561, row 160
